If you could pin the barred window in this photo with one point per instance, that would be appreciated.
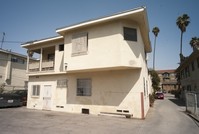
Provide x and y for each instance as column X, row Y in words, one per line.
column 84, row 87
column 62, row 83
column 36, row 90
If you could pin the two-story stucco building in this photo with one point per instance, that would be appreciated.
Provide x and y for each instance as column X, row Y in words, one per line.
column 13, row 70
column 188, row 73
column 94, row 67
column 168, row 81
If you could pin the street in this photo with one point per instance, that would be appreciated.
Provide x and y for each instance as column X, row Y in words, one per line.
column 166, row 117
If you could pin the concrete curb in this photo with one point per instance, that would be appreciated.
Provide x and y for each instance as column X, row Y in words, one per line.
column 194, row 117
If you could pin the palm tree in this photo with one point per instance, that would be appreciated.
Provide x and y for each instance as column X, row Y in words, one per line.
column 194, row 42
column 182, row 22
column 155, row 32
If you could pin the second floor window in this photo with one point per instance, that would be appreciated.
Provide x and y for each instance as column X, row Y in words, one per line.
column 51, row 57
column 79, row 44
column 130, row 34
column 198, row 62
column 193, row 66
column 61, row 47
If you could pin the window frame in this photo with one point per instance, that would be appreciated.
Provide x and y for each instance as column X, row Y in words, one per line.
column 84, row 91
column 35, row 93
column 130, row 34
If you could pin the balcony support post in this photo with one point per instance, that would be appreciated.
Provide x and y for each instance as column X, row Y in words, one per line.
column 40, row 63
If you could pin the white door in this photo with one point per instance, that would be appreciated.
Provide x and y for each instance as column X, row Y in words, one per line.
column 47, row 97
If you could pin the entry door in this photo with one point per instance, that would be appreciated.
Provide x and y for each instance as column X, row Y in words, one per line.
column 47, row 97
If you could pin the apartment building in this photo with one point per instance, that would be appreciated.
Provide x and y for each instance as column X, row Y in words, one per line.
column 94, row 67
column 168, row 80
column 188, row 72
column 13, row 70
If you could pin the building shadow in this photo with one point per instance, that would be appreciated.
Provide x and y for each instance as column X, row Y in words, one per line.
column 178, row 102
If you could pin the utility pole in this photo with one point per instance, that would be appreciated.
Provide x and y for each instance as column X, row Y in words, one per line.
column 2, row 40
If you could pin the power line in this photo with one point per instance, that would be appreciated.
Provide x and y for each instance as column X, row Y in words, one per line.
column 2, row 40
column 13, row 42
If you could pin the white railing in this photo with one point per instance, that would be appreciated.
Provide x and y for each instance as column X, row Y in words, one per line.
column 34, row 66
column 45, row 65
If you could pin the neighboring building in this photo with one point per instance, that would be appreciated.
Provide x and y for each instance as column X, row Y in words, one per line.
column 168, row 81
column 13, row 70
column 94, row 67
column 188, row 72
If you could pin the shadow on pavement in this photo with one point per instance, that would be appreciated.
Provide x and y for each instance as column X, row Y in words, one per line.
column 178, row 102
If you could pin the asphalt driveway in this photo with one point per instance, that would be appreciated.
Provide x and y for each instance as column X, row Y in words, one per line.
column 165, row 117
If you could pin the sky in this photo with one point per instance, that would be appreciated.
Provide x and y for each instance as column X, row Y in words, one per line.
column 27, row 20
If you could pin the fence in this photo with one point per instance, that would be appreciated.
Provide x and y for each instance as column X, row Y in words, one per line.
column 192, row 103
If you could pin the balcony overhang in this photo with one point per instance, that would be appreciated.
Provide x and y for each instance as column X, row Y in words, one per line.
column 101, row 69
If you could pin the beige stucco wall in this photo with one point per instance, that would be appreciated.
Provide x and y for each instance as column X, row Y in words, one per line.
column 111, row 91
column 14, row 71
column 117, row 68
column 193, row 80
column 106, row 48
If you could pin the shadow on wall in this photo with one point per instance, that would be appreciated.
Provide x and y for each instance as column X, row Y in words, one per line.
column 109, row 88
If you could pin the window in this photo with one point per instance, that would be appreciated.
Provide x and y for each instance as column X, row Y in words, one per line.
column 62, row 83
column 51, row 57
column 83, row 87
column 79, row 44
column 35, row 90
column 130, row 34
column 193, row 66
column 61, row 47
column 198, row 62
column 17, row 60
column 187, row 72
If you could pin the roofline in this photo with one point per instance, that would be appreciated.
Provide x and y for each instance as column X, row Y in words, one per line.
column 89, row 22
column 41, row 41
column 189, row 59
column 13, row 53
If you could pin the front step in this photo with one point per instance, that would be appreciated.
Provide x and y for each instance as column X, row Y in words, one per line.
column 127, row 115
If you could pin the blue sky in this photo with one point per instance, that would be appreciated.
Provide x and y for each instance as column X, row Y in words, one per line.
column 26, row 20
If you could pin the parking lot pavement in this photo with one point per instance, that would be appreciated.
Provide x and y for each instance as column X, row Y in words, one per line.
column 26, row 121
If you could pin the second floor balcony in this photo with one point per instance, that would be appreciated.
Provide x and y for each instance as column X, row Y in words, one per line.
column 45, row 66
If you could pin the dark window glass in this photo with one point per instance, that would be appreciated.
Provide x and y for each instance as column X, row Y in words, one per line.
column 198, row 61
column 130, row 34
column 83, row 87
column 61, row 47
column 193, row 66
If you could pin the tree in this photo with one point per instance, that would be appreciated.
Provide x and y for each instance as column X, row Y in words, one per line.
column 155, row 84
column 155, row 80
column 182, row 22
column 155, row 32
column 194, row 42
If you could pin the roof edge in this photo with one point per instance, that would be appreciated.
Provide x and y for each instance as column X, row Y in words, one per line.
column 101, row 19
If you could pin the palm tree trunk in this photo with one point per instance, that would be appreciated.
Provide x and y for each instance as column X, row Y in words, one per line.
column 181, row 55
column 154, row 54
column 181, row 43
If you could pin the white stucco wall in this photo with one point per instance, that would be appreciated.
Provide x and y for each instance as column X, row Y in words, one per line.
column 106, row 48
column 111, row 91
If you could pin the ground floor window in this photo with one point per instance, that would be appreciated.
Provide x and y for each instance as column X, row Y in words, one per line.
column 84, row 87
column 62, row 83
column 35, row 90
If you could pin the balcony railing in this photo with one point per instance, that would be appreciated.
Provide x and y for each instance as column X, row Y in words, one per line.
column 45, row 66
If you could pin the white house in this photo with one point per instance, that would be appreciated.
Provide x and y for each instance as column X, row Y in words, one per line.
column 94, row 67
